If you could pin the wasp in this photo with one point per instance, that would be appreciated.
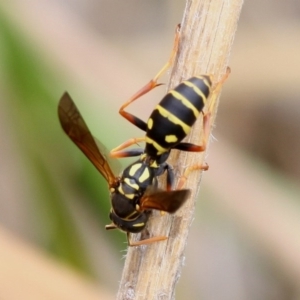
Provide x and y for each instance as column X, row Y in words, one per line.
column 133, row 194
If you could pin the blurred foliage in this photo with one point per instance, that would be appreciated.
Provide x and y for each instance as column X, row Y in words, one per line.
column 53, row 164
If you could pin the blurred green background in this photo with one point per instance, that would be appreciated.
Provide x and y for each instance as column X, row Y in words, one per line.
column 102, row 52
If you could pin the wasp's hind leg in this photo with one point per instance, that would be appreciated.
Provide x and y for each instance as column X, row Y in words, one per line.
column 153, row 83
column 146, row 241
column 118, row 152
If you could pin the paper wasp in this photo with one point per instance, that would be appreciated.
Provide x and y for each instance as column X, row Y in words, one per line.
column 134, row 193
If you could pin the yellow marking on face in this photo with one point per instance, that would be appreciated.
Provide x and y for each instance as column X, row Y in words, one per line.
column 186, row 128
column 150, row 123
column 145, row 175
column 171, row 138
column 159, row 148
column 139, row 225
column 185, row 102
column 133, row 185
column 134, row 168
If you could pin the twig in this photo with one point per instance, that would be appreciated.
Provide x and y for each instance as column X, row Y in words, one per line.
column 207, row 32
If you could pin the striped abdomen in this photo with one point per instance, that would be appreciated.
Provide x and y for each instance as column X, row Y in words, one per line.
column 173, row 117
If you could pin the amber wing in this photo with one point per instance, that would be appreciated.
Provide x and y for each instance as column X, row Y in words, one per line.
column 77, row 130
column 169, row 201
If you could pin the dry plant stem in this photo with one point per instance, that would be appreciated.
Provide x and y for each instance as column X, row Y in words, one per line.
column 207, row 33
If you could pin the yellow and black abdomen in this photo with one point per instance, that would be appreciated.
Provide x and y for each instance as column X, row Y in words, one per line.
column 173, row 117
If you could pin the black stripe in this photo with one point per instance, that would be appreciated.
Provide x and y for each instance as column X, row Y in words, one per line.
column 178, row 109
column 190, row 94
column 199, row 82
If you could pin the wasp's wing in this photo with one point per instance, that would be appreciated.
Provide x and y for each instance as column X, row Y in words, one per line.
column 75, row 127
column 168, row 201
column 114, row 164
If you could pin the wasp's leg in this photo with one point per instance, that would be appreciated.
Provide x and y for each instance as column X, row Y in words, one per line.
column 170, row 174
column 216, row 90
column 146, row 241
column 183, row 178
column 117, row 152
column 189, row 147
column 207, row 120
column 149, row 86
